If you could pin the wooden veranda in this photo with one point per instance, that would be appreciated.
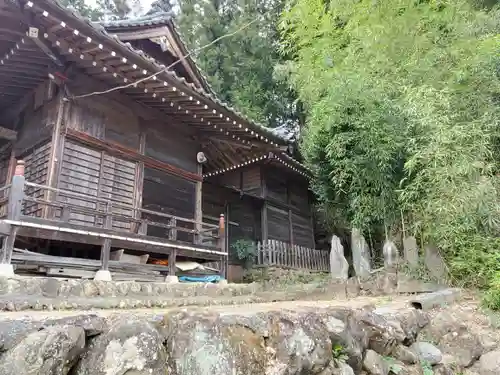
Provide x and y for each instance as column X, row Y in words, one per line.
column 208, row 240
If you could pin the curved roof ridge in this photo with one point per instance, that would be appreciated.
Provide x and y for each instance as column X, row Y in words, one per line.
column 155, row 18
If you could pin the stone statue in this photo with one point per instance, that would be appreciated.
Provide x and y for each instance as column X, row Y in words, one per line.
column 339, row 268
column 360, row 254
column 391, row 255
column 411, row 251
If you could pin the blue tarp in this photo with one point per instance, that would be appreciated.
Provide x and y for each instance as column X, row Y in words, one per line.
column 200, row 279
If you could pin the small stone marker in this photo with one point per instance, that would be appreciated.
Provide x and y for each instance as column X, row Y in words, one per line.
column 360, row 254
column 435, row 263
column 391, row 255
column 411, row 251
column 339, row 268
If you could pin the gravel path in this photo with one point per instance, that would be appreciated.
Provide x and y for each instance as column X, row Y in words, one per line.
column 399, row 301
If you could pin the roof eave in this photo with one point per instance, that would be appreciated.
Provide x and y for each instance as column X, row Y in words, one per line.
column 152, row 65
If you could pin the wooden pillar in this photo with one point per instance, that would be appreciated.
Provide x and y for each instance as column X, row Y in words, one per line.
column 8, row 179
column 171, row 262
column 198, row 205
column 223, row 246
column 103, row 274
column 55, row 148
column 141, row 228
column 313, row 237
column 106, row 247
column 16, row 197
column 263, row 222
column 263, row 213
column 12, row 166
column 290, row 221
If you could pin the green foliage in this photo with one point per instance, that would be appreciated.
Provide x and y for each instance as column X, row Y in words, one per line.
column 339, row 354
column 114, row 9
column 394, row 368
column 245, row 251
column 426, row 368
column 92, row 13
column 403, row 115
column 240, row 68
column 492, row 295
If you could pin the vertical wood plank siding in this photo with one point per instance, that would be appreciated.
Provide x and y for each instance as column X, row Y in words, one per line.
column 36, row 169
column 35, row 126
column 80, row 173
column 96, row 174
column 104, row 123
column 169, row 147
column 302, row 230
column 299, row 196
column 118, row 185
column 277, row 221
column 252, row 180
column 245, row 214
column 4, row 169
column 213, row 200
column 168, row 194
column 276, row 185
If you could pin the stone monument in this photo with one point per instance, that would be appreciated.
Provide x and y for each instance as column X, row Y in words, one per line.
column 339, row 267
column 435, row 263
column 411, row 251
column 360, row 254
column 391, row 255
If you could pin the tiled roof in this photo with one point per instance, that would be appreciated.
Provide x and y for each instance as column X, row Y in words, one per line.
column 99, row 28
column 158, row 18
column 163, row 18
column 150, row 19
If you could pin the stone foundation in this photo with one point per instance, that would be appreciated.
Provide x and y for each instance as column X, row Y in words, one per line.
column 18, row 294
column 183, row 343
column 351, row 338
column 278, row 275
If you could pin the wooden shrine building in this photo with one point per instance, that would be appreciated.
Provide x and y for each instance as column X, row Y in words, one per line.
column 111, row 141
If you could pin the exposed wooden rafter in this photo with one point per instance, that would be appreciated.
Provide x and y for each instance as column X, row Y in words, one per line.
column 8, row 134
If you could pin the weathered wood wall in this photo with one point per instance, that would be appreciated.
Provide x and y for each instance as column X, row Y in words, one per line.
column 248, row 179
column 252, row 180
column 242, row 213
column 276, row 184
column 170, row 195
column 246, row 212
column 288, row 209
column 105, row 120
column 231, row 179
column 164, row 144
column 96, row 174
column 103, row 156
column 36, row 168
column 35, row 120
column 4, row 168
column 214, row 199
column 277, row 223
column 302, row 230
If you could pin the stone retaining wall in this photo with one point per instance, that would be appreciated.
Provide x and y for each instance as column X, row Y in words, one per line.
column 280, row 275
column 181, row 343
column 50, row 293
column 341, row 340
